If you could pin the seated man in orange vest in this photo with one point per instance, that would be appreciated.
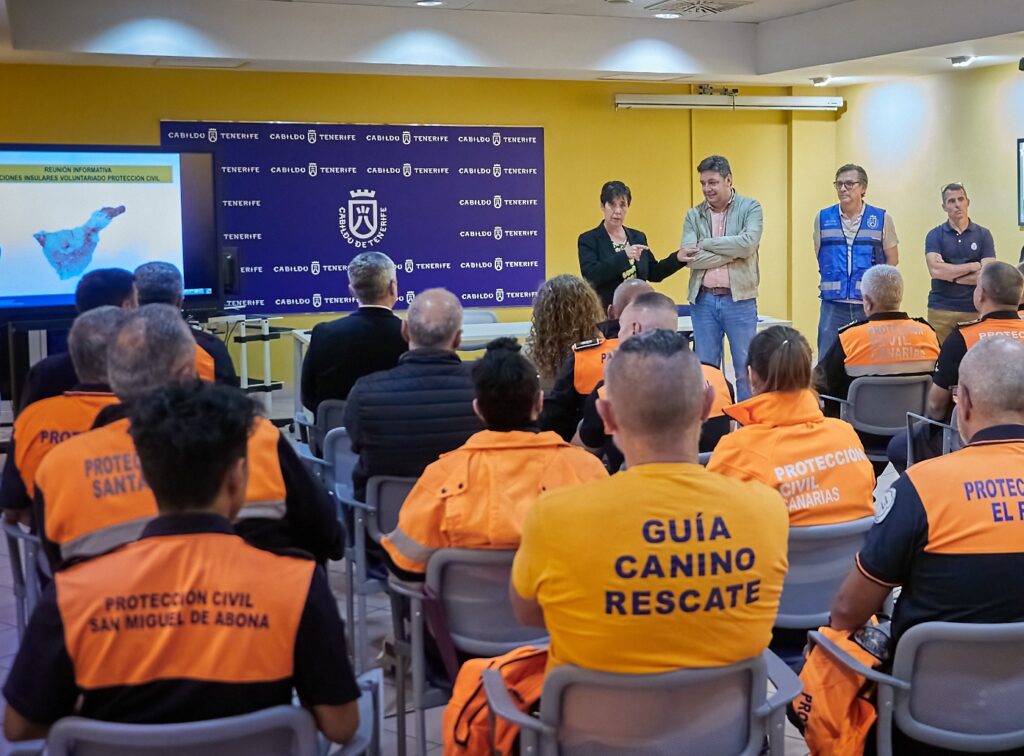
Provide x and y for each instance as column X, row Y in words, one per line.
column 190, row 622
column 477, row 496
column 44, row 424
column 612, row 568
column 888, row 342
column 161, row 283
column 996, row 296
column 91, row 496
column 646, row 313
column 948, row 531
column 584, row 368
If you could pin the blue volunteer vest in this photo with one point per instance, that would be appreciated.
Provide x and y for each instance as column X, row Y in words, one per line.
column 841, row 266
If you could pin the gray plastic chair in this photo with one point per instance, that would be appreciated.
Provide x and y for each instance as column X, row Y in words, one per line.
column 820, row 558
column 275, row 731
column 330, row 414
column 472, row 586
column 23, row 553
column 372, row 519
column 951, row 440
column 723, row 710
column 878, row 404
column 953, row 685
column 472, row 317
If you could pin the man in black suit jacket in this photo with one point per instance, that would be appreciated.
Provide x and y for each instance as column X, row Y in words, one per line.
column 368, row 340
column 605, row 263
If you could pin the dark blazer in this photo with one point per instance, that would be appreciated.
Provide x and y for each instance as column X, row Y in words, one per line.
column 401, row 420
column 344, row 350
column 603, row 267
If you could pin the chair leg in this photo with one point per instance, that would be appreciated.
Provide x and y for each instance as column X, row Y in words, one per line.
column 883, row 725
column 400, row 669
column 18, row 578
column 419, row 677
column 350, row 606
column 359, row 652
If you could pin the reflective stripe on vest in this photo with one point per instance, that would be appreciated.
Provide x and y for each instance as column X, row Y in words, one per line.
column 589, row 365
column 195, row 607
column 980, row 329
column 44, row 424
column 715, row 378
column 204, row 365
column 842, row 265
column 889, row 347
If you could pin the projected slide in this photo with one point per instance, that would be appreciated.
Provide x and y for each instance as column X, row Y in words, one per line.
column 66, row 213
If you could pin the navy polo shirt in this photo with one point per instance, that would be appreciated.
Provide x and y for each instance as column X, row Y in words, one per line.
column 974, row 244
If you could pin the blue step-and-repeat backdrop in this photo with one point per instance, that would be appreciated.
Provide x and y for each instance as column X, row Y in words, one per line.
column 455, row 206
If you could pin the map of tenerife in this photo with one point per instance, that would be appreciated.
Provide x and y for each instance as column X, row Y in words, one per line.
column 69, row 251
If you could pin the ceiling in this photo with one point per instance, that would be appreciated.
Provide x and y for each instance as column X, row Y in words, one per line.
column 769, row 42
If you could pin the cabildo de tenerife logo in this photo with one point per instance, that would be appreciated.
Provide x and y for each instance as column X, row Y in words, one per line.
column 363, row 222
column 212, row 135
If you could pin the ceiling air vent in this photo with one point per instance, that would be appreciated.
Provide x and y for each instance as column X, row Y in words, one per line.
column 696, row 7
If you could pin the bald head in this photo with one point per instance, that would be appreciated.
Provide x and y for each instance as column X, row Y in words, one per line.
column 671, row 404
column 90, row 335
column 153, row 348
column 434, row 320
column 999, row 287
column 992, row 374
column 648, row 312
column 625, row 293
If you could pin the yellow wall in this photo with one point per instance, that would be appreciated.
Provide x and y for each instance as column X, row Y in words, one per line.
column 587, row 143
column 915, row 135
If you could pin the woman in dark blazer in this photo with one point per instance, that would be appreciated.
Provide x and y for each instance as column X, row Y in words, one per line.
column 611, row 253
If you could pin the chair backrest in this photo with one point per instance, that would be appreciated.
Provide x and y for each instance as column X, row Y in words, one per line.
column 879, row 404
column 820, row 558
column 341, row 461
column 386, row 493
column 470, row 317
column 684, row 711
column 951, row 440
column 473, row 587
column 967, row 684
column 278, row 731
column 330, row 414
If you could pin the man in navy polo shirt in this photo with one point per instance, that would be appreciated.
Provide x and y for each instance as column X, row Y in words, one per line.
column 955, row 252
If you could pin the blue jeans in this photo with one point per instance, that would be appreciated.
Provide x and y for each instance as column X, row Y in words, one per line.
column 833, row 316
column 714, row 317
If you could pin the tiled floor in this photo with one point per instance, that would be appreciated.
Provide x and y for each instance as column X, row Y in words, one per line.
column 379, row 624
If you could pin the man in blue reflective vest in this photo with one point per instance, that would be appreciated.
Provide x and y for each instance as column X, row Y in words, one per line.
column 849, row 238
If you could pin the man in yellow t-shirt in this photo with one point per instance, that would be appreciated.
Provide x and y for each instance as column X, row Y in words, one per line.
column 663, row 566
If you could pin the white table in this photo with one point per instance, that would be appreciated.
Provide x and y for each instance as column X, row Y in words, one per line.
column 481, row 333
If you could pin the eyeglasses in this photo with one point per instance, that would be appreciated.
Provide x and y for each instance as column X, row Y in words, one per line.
column 845, row 184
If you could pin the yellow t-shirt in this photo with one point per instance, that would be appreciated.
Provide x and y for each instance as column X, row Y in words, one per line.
column 661, row 567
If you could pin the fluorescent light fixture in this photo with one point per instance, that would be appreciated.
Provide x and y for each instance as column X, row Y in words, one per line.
column 429, row 3
column 199, row 63
column 725, row 102
column 821, row 81
column 667, row 16
column 961, row 61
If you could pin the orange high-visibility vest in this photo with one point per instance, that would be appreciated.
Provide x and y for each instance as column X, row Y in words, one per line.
column 589, row 359
column 889, row 347
column 44, row 424
column 194, row 607
column 716, row 379
column 204, row 365
column 977, row 330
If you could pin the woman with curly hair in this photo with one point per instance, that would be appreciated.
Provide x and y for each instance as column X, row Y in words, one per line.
column 565, row 310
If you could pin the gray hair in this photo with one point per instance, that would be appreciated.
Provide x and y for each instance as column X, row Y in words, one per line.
column 955, row 186
column 90, row 335
column 715, row 163
column 370, row 275
column 1002, row 283
column 673, row 385
column 992, row 371
column 884, row 284
column 152, row 349
column 862, row 175
column 159, row 283
column 435, row 317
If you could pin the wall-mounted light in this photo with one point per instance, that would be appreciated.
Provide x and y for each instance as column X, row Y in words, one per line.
column 821, row 81
column 961, row 61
